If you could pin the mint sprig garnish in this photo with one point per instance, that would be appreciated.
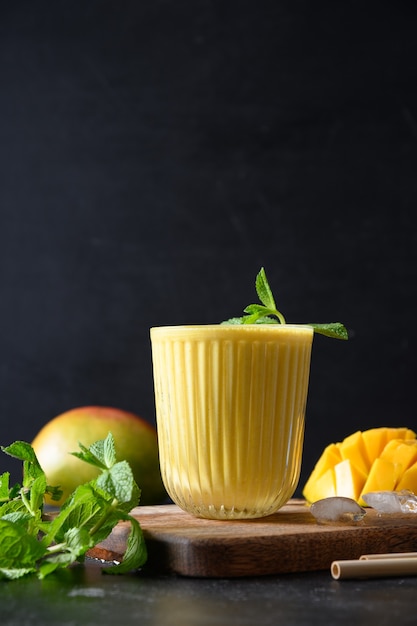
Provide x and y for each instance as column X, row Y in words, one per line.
column 31, row 543
column 267, row 312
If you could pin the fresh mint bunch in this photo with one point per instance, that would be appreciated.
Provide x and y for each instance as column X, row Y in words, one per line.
column 30, row 543
column 267, row 313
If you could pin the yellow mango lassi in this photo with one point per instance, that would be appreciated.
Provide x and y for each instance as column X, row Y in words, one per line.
column 230, row 405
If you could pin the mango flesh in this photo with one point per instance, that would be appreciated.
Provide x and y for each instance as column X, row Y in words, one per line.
column 378, row 459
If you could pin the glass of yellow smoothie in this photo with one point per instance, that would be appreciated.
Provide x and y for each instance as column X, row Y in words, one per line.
column 230, row 406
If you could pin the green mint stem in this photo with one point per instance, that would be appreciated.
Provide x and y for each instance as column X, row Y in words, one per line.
column 267, row 312
column 280, row 317
column 104, row 517
column 26, row 501
column 57, row 547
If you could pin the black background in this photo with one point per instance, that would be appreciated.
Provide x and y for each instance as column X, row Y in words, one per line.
column 155, row 154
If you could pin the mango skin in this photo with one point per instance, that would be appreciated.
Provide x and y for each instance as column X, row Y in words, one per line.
column 135, row 441
column 379, row 459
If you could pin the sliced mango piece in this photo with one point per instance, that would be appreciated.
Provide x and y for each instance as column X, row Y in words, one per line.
column 323, row 487
column 402, row 451
column 400, row 433
column 382, row 477
column 374, row 441
column 408, row 480
column 349, row 479
column 353, row 448
column 330, row 456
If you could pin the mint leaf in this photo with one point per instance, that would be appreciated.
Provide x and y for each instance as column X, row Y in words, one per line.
column 47, row 567
column 22, row 451
column 233, row 321
column 336, row 330
column 21, row 517
column 264, row 291
column 101, row 453
column 78, row 541
column 13, row 573
column 119, row 483
column 106, row 451
column 15, row 505
column 247, row 319
column 4, row 486
column 88, row 456
column 90, row 507
column 258, row 312
column 82, row 508
column 136, row 553
column 37, row 492
column 18, row 549
column 7, row 493
column 267, row 313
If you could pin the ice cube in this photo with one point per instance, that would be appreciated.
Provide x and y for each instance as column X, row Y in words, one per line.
column 337, row 509
column 389, row 502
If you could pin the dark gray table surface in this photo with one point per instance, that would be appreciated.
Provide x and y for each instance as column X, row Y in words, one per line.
column 84, row 595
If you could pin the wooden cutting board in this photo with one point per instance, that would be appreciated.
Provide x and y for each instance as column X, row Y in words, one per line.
column 291, row 540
